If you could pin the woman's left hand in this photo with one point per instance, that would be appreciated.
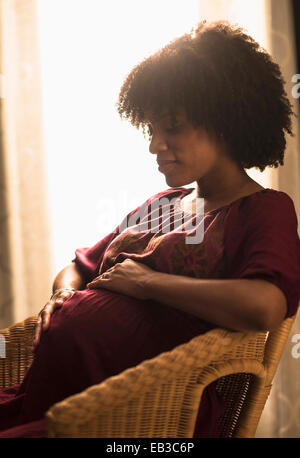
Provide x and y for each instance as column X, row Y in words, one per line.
column 128, row 277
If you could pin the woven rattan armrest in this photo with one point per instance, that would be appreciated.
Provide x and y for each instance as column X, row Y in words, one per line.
column 18, row 351
column 159, row 397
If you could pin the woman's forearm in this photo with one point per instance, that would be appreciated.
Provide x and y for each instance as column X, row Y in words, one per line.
column 69, row 277
column 238, row 304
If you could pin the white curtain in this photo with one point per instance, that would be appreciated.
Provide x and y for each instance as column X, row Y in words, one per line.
column 25, row 250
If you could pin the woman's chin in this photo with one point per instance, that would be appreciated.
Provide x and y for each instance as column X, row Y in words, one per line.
column 175, row 183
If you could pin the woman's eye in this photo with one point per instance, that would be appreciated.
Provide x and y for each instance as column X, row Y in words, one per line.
column 171, row 129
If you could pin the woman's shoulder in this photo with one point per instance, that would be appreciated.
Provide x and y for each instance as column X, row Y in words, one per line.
column 271, row 193
column 267, row 199
column 264, row 207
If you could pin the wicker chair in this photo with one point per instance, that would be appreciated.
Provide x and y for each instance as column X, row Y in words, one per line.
column 160, row 397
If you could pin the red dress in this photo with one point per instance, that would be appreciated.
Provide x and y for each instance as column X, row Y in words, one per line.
column 98, row 333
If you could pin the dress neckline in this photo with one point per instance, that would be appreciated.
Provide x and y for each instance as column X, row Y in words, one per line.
column 190, row 190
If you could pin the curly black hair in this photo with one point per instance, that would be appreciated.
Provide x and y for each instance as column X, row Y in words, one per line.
column 225, row 82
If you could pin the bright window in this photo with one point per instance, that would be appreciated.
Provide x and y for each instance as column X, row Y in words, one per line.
column 99, row 167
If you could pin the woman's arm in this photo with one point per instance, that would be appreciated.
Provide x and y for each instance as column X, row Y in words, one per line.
column 69, row 277
column 238, row 304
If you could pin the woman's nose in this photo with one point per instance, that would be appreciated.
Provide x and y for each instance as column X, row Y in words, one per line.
column 157, row 145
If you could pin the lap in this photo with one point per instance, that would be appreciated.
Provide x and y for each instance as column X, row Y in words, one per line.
column 94, row 335
column 35, row 429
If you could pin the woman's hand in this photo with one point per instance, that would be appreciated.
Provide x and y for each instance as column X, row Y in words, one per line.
column 44, row 316
column 129, row 277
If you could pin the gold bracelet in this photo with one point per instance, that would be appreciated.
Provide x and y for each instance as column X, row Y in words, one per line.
column 61, row 289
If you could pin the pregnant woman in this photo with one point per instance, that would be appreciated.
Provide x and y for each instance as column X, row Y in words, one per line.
column 224, row 253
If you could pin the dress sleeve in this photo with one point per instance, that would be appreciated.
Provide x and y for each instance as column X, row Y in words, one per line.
column 88, row 260
column 261, row 241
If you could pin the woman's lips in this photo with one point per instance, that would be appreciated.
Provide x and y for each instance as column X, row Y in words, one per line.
column 167, row 166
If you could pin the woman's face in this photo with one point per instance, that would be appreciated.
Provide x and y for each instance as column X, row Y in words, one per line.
column 185, row 153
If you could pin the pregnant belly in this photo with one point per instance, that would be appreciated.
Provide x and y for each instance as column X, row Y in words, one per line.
column 91, row 310
column 103, row 332
column 97, row 334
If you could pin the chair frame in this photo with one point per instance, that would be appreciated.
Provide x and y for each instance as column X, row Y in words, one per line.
column 160, row 397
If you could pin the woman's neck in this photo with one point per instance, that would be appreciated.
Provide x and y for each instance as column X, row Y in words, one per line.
column 222, row 194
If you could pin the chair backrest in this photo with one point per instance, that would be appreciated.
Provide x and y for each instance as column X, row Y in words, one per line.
column 247, row 393
column 275, row 345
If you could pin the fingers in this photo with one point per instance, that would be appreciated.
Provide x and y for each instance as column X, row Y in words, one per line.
column 40, row 326
column 44, row 317
column 55, row 303
column 102, row 278
column 37, row 333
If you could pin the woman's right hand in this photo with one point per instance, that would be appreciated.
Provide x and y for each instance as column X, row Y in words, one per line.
column 44, row 316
